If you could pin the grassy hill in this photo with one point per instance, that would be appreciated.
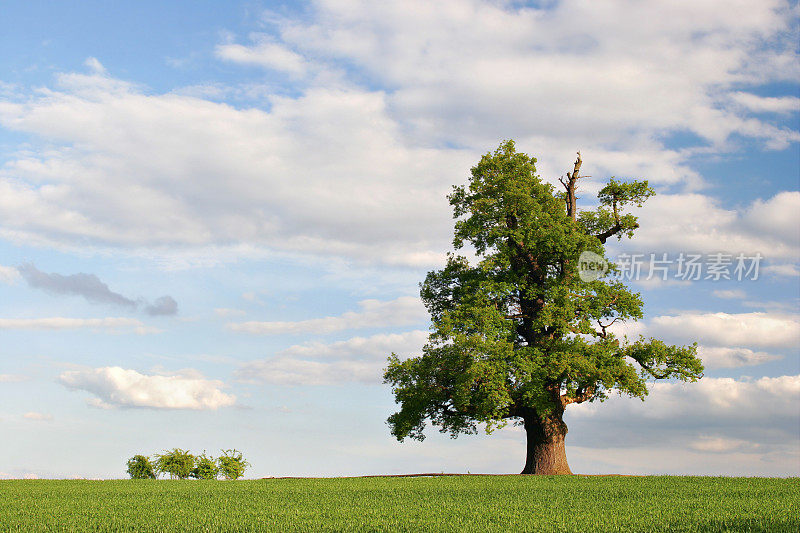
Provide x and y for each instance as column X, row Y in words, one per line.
column 467, row 503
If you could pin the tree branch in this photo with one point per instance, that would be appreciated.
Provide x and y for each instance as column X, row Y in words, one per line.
column 581, row 395
column 526, row 255
column 603, row 327
column 663, row 375
column 603, row 237
column 569, row 185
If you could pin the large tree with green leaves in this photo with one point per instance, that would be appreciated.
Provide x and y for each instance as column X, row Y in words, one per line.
column 518, row 335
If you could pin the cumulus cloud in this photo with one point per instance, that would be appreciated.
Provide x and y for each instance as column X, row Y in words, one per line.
column 119, row 324
column 402, row 311
column 92, row 289
column 652, row 66
column 726, row 398
column 778, row 216
column 758, row 329
column 265, row 53
column 119, row 387
column 725, row 340
column 724, row 357
column 767, row 104
column 770, row 227
column 343, row 169
column 221, row 176
column 712, row 415
column 766, row 330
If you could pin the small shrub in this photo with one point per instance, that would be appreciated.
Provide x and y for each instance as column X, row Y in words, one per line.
column 231, row 464
column 205, row 467
column 140, row 467
column 176, row 462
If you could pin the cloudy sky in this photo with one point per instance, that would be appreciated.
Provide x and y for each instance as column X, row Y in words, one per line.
column 214, row 217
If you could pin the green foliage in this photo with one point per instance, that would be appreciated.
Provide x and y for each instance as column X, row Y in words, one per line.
column 205, row 467
column 140, row 467
column 231, row 464
column 613, row 198
column 518, row 332
column 176, row 462
column 466, row 503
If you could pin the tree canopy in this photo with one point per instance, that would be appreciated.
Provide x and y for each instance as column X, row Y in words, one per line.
column 517, row 334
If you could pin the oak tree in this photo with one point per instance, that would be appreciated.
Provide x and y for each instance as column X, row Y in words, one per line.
column 517, row 335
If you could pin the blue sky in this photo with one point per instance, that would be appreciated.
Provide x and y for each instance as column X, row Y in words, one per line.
column 214, row 217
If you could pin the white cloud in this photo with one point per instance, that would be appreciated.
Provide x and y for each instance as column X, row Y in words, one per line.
column 265, row 53
column 593, row 73
column 724, row 357
column 11, row 378
column 785, row 269
column 40, row 417
column 358, row 359
column 726, row 399
column 95, row 65
column 289, row 371
column 778, row 216
column 62, row 323
column 227, row 312
column 685, row 456
column 730, row 294
column 696, row 223
column 403, row 311
column 119, row 387
column 343, row 170
column 753, row 423
column 374, row 347
column 768, row 104
column 721, row 444
column 758, row 330
column 325, row 173
column 656, row 282
column 725, row 340
column 767, row 330
column 8, row 274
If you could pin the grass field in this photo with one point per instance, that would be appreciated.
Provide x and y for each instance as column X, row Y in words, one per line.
column 469, row 503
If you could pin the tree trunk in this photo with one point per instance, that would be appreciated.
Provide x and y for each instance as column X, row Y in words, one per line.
column 546, row 454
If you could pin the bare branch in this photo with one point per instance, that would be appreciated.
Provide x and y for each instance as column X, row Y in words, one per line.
column 570, row 186
column 604, row 326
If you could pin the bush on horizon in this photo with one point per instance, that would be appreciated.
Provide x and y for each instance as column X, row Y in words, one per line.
column 181, row 464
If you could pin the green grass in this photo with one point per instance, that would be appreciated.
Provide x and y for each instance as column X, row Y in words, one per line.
column 474, row 503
